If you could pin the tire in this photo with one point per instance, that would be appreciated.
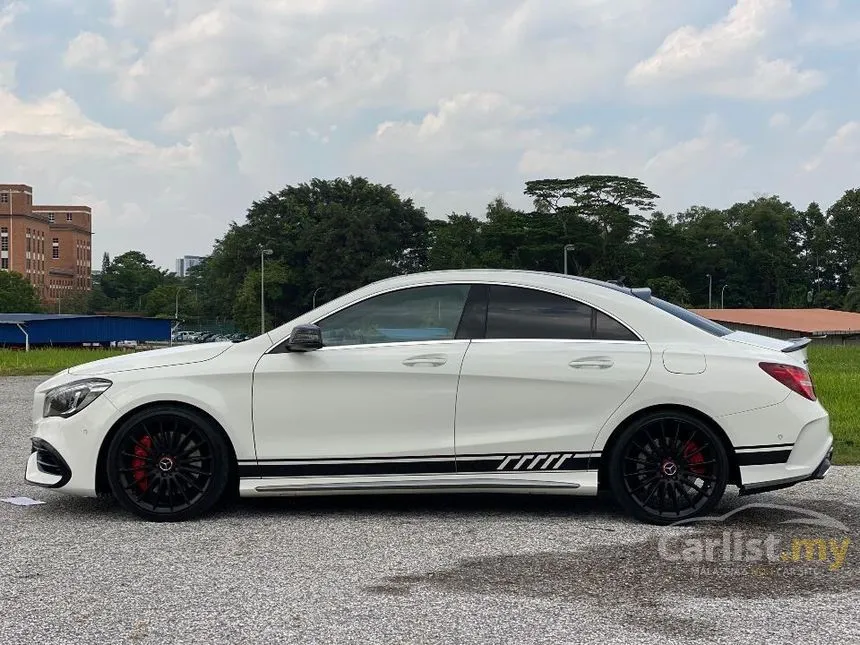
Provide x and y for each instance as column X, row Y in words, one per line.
column 168, row 464
column 668, row 466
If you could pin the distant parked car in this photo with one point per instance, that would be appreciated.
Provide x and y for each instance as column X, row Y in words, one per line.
column 555, row 384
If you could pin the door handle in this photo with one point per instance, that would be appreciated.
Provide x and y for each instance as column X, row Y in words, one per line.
column 592, row 363
column 432, row 360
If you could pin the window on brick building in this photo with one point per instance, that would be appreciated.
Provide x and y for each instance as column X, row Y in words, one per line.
column 51, row 218
column 4, row 263
column 4, row 198
column 68, row 217
column 56, row 250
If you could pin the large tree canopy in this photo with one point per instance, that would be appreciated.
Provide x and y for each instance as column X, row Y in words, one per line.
column 328, row 237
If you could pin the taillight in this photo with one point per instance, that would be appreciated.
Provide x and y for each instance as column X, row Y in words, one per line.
column 793, row 377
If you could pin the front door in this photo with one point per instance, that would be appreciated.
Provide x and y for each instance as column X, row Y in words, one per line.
column 378, row 398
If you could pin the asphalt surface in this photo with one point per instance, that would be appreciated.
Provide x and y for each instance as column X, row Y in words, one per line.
column 476, row 569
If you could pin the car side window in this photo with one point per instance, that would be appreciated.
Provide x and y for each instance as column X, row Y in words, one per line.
column 518, row 313
column 431, row 312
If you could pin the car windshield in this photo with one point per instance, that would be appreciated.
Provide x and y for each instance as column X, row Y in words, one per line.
column 694, row 319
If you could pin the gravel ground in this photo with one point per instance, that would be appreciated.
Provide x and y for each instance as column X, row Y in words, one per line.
column 407, row 569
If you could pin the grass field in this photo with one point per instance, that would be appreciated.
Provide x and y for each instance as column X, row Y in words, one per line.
column 835, row 371
column 49, row 361
column 836, row 374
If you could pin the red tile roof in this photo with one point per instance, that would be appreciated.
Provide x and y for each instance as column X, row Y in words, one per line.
column 807, row 321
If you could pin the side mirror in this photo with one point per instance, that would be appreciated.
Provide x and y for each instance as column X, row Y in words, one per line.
column 305, row 338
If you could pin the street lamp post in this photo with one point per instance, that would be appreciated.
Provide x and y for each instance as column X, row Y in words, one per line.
column 723, row 296
column 176, row 308
column 314, row 305
column 710, row 282
column 263, row 254
column 567, row 247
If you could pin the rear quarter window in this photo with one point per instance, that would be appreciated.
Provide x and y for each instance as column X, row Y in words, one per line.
column 700, row 322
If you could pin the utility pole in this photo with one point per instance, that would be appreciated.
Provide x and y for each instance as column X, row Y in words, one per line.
column 263, row 253
column 176, row 310
column 314, row 305
column 722, row 297
column 710, row 282
column 567, row 247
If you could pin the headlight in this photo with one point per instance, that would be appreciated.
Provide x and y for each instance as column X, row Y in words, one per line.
column 69, row 399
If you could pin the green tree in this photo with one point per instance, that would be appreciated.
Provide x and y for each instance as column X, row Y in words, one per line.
column 455, row 243
column 337, row 235
column 611, row 204
column 852, row 298
column 129, row 277
column 669, row 289
column 17, row 295
column 844, row 220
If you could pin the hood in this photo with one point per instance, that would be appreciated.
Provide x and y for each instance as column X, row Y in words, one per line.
column 181, row 355
column 794, row 347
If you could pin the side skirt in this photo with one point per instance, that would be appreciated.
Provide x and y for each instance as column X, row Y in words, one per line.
column 568, row 473
column 571, row 483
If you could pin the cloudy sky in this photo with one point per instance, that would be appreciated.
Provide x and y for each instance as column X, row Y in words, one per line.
column 169, row 117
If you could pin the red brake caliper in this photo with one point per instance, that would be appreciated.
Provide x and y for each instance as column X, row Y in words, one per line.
column 142, row 451
column 689, row 448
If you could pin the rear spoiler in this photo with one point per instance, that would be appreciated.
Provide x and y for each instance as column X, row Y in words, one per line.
column 797, row 344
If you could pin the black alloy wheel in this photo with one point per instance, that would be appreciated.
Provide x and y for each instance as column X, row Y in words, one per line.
column 168, row 463
column 668, row 466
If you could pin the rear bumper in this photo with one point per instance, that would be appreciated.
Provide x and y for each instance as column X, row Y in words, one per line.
column 780, row 445
column 820, row 472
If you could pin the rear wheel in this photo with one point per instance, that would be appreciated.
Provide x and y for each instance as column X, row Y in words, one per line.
column 168, row 463
column 668, row 466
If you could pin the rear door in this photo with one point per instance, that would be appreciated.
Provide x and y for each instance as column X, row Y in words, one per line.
column 537, row 388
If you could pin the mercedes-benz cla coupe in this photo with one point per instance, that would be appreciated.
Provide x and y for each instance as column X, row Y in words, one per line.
column 454, row 381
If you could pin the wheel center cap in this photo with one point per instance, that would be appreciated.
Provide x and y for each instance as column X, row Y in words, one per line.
column 670, row 469
column 165, row 464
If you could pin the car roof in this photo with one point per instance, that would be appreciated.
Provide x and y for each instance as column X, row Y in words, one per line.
column 473, row 274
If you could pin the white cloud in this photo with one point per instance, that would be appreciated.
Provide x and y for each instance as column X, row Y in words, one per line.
column 209, row 62
column 143, row 195
column 690, row 50
column 727, row 58
column 92, row 51
column 842, row 148
column 769, row 80
column 9, row 13
column 200, row 106
column 779, row 120
column 817, row 122
column 482, row 119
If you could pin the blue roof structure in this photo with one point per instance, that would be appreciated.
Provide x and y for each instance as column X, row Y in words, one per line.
column 76, row 329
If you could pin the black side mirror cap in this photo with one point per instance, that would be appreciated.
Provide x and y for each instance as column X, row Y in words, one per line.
column 305, row 338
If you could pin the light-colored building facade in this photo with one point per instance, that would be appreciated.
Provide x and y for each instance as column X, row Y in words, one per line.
column 185, row 263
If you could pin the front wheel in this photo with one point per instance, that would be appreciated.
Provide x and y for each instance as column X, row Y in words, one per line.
column 667, row 467
column 168, row 463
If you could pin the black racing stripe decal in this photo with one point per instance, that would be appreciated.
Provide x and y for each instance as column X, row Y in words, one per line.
column 348, row 468
column 501, row 463
column 766, row 445
column 494, row 455
column 763, row 458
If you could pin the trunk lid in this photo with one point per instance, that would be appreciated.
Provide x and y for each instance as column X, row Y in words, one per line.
column 794, row 347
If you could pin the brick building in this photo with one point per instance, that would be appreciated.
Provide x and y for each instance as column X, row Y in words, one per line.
column 51, row 246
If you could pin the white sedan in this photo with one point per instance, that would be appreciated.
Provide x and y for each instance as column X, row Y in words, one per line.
column 460, row 381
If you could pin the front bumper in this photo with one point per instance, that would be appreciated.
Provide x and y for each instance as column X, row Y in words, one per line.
column 45, row 466
column 64, row 452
